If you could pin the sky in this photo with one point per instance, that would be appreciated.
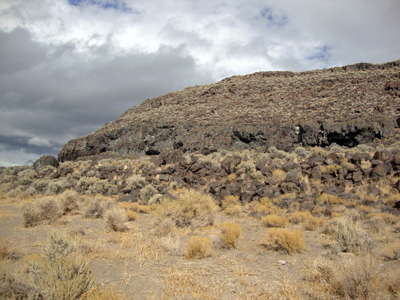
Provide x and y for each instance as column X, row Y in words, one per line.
column 69, row 66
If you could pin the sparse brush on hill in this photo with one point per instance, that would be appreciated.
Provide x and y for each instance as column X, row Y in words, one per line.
column 351, row 278
column 190, row 207
column 58, row 274
column 116, row 219
column 349, row 235
column 42, row 210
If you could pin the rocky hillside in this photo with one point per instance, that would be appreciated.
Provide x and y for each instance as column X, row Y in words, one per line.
column 349, row 105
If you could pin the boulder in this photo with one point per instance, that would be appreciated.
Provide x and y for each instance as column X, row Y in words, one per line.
column 45, row 160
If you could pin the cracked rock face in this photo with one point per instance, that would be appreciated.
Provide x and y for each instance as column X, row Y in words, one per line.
column 347, row 106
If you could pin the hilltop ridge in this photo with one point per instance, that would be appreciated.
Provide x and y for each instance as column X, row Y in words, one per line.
column 348, row 105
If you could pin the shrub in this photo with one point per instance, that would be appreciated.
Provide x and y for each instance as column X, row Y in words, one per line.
column 290, row 241
column 63, row 279
column 6, row 252
column 198, row 247
column 352, row 278
column 60, row 273
column 146, row 193
column 164, row 227
column 96, row 207
column 231, row 205
column 58, row 246
column 230, row 233
column 305, row 217
column 40, row 211
column 386, row 217
column 391, row 251
column 234, row 210
column 263, row 207
column 132, row 216
column 349, row 235
column 115, row 219
column 189, row 207
column 230, row 201
column 69, row 201
column 12, row 287
column 274, row 221
column 278, row 175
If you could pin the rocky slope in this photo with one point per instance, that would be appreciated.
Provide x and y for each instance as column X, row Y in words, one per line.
column 348, row 106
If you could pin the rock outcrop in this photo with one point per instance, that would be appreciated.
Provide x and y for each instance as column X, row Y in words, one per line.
column 348, row 106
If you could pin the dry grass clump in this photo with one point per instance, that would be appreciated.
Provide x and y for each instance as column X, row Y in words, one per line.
column 263, row 207
column 69, row 202
column 190, row 207
column 230, row 201
column 230, row 233
column 99, row 293
column 115, row 219
column 132, row 216
column 41, row 211
column 64, row 279
column 352, row 278
column 11, row 287
column 6, row 252
column 290, row 241
column 307, row 219
column 235, row 210
column 97, row 206
column 278, row 175
column 198, row 247
column 136, row 207
column 391, row 251
column 349, row 235
column 274, row 221
column 58, row 274
column 325, row 198
column 231, row 205
column 386, row 217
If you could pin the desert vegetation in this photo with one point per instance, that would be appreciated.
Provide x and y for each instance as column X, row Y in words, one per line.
column 315, row 223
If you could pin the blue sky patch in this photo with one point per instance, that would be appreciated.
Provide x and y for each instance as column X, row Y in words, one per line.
column 273, row 18
column 322, row 53
column 106, row 4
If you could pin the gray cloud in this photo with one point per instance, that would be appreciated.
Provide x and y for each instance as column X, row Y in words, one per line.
column 67, row 94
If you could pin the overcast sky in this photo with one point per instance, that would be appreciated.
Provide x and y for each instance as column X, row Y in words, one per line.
column 69, row 66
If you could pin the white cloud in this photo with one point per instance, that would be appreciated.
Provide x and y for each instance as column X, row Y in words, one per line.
column 66, row 69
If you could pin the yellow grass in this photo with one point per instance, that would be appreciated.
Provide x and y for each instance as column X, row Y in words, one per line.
column 230, row 233
column 198, row 247
column 278, row 175
column 290, row 241
column 274, row 221
column 99, row 293
column 307, row 219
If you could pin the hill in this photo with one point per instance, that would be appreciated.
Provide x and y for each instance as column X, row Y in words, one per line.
column 347, row 105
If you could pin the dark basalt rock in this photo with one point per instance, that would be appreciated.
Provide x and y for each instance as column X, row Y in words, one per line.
column 346, row 106
column 45, row 160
